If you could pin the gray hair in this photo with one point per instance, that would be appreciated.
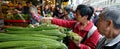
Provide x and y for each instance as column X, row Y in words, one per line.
column 112, row 14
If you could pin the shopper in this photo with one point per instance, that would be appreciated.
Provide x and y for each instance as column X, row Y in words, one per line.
column 109, row 26
column 19, row 8
column 58, row 12
column 33, row 12
column 47, row 12
column 82, row 26
column 68, row 15
column 27, row 7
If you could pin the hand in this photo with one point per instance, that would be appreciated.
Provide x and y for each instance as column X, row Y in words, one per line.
column 46, row 19
column 19, row 11
column 49, row 18
column 77, row 43
column 75, row 38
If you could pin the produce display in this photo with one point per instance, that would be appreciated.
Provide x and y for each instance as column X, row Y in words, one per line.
column 46, row 36
column 74, row 36
column 42, row 27
column 17, row 17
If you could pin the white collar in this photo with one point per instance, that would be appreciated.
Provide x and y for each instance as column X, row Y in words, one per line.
column 114, row 41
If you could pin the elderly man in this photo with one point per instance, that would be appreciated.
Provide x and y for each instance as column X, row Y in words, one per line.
column 109, row 26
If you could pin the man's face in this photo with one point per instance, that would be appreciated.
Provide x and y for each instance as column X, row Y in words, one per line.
column 102, row 26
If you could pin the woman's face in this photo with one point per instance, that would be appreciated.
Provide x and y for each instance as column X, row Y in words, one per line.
column 79, row 18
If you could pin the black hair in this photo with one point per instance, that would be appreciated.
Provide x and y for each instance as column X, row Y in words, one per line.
column 58, row 6
column 85, row 10
column 67, row 9
column 35, row 3
column 28, row 2
column 19, row 3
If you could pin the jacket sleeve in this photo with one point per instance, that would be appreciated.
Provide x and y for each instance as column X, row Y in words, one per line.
column 91, row 42
column 63, row 23
column 35, row 16
column 83, row 46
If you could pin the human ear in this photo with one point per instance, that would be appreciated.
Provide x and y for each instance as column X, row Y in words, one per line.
column 109, row 24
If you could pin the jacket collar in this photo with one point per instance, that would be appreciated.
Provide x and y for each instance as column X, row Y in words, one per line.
column 88, row 27
column 114, row 41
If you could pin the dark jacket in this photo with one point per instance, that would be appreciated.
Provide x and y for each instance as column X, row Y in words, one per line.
column 113, row 44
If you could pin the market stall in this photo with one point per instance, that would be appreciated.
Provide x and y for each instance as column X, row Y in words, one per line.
column 46, row 36
column 11, row 17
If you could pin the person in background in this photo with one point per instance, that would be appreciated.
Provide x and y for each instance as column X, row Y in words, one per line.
column 68, row 15
column 39, row 13
column 81, row 26
column 109, row 26
column 95, row 17
column 52, row 8
column 46, row 11
column 19, row 8
column 57, row 11
column 61, row 13
column 74, row 14
column 26, row 8
column 33, row 12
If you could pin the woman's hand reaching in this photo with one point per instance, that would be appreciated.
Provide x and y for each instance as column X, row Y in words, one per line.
column 46, row 19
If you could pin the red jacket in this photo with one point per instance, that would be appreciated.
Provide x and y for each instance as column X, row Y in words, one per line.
column 89, row 42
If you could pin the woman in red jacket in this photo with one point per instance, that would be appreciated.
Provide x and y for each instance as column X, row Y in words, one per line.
column 81, row 26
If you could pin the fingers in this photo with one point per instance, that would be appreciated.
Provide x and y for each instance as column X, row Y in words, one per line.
column 43, row 20
column 75, row 38
column 46, row 19
column 49, row 18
